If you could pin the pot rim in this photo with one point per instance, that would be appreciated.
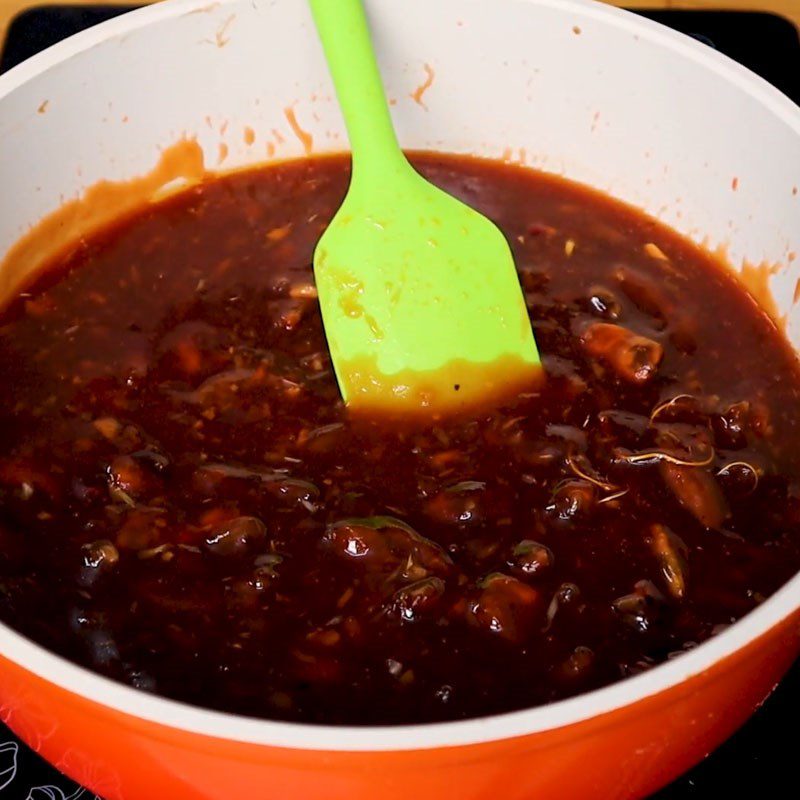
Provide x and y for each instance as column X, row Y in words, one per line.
column 232, row 727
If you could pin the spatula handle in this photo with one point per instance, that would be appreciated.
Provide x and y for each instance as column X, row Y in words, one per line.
column 345, row 36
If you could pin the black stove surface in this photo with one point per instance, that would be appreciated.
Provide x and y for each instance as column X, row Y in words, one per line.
column 758, row 761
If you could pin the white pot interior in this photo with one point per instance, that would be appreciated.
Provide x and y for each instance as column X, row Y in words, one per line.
column 569, row 87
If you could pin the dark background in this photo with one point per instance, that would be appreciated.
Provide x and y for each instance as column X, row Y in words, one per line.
column 758, row 761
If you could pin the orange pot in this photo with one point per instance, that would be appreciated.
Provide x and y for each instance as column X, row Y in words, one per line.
column 624, row 100
column 626, row 751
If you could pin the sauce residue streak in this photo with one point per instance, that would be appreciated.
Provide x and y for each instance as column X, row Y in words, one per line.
column 43, row 107
column 306, row 139
column 418, row 93
column 204, row 10
column 99, row 205
column 351, row 290
column 249, row 135
column 458, row 387
column 756, row 278
column 220, row 39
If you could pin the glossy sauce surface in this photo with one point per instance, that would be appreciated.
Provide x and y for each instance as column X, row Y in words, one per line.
column 186, row 506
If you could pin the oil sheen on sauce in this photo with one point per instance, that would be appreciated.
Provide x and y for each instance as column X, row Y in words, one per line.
column 187, row 507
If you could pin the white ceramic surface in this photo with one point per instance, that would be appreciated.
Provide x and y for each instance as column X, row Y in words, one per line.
column 578, row 88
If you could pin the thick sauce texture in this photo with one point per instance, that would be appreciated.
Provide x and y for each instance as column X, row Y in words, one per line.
column 186, row 506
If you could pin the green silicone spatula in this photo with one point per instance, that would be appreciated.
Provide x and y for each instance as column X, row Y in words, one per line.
column 420, row 299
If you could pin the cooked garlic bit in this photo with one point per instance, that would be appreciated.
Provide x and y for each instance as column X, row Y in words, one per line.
column 654, row 251
column 278, row 234
column 303, row 290
column 671, row 552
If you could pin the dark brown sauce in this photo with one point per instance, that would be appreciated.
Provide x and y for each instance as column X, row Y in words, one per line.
column 185, row 505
